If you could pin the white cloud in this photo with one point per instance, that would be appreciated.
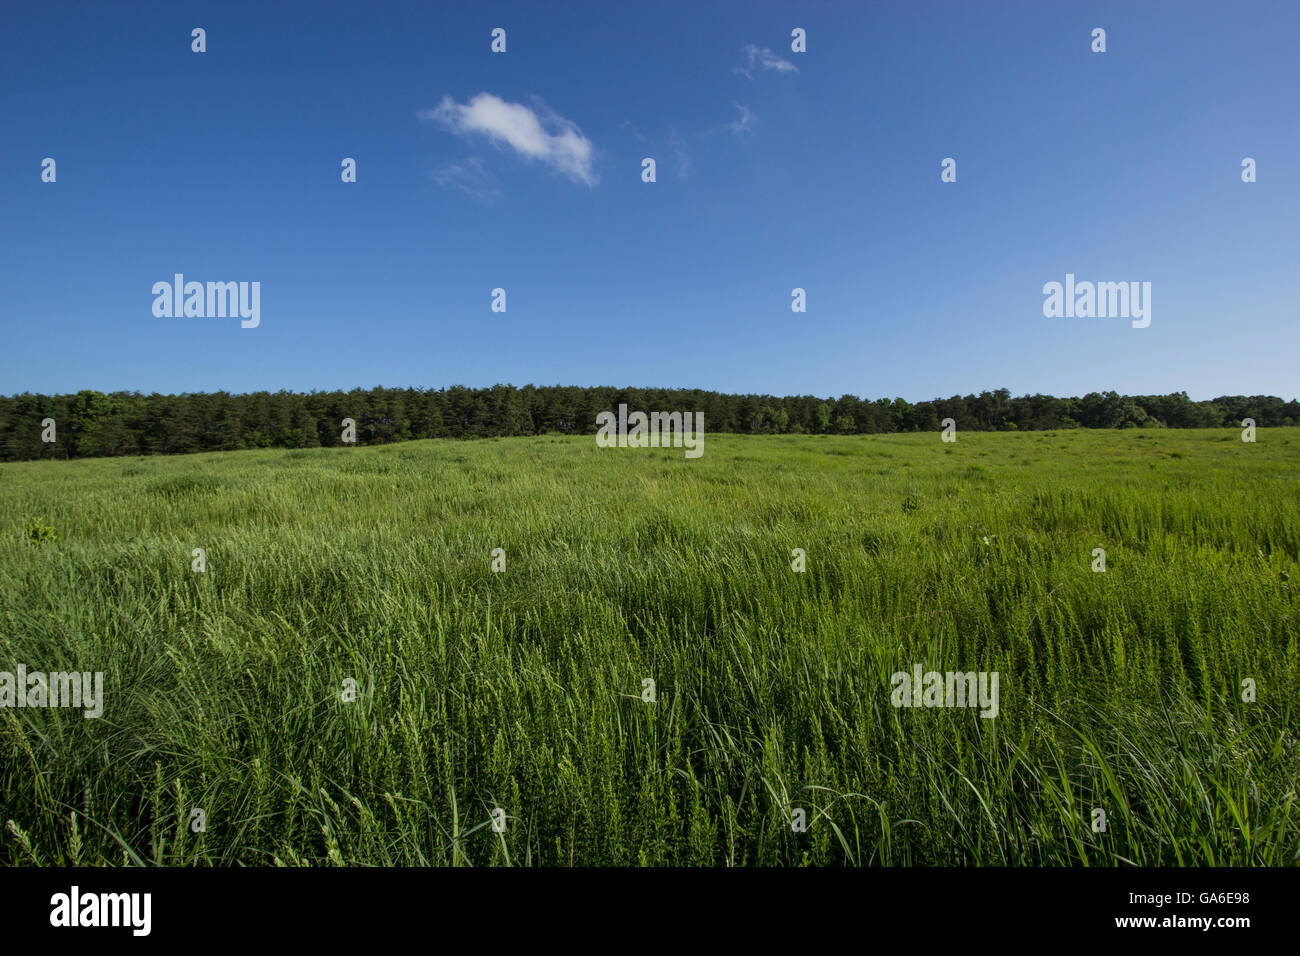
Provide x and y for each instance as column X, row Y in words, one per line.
column 744, row 122
column 534, row 134
column 761, row 58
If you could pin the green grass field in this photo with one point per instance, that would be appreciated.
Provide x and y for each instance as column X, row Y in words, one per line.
column 523, row 690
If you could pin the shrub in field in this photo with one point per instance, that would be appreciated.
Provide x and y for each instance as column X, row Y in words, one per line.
column 40, row 533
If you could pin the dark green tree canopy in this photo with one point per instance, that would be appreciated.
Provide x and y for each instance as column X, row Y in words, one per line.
column 128, row 423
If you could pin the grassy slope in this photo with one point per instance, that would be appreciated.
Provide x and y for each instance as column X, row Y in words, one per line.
column 1119, row 691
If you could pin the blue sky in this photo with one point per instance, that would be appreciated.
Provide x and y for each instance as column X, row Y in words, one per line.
column 775, row 170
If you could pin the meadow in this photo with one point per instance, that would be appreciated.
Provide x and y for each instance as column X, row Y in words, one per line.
column 518, row 698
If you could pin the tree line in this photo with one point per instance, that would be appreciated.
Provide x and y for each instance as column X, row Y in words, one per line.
column 92, row 423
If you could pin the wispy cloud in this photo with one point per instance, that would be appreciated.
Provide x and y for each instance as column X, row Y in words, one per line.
column 744, row 122
column 470, row 177
column 628, row 124
column 761, row 58
column 534, row 134
column 681, row 160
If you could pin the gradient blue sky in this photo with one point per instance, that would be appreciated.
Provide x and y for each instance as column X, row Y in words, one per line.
column 225, row 166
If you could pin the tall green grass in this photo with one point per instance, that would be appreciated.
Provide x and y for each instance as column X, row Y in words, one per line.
column 522, row 690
